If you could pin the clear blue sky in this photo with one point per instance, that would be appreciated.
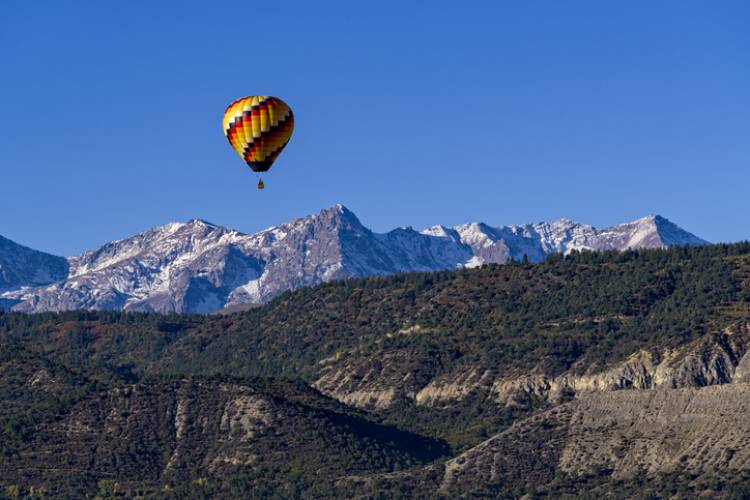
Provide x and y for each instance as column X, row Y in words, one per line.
column 410, row 113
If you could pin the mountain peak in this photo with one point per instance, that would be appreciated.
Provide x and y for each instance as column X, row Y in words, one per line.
column 439, row 230
column 339, row 214
column 648, row 219
column 169, row 227
column 200, row 223
column 339, row 209
column 652, row 231
column 564, row 221
column 197, row 266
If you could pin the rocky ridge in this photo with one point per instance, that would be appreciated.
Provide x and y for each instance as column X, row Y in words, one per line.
column 716, row 358
column 200, row 267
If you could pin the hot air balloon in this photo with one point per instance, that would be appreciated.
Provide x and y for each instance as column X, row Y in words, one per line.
column 258, row 127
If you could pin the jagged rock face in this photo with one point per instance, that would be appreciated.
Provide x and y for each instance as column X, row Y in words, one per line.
column 21, row 266
column 178, row 267
column 717, row 358
column 536, row 241
column 455, row 386
column 379, row 382
column 700, row 431
column 200, row 267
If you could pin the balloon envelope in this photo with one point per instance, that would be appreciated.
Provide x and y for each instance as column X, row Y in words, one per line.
column 258, row 127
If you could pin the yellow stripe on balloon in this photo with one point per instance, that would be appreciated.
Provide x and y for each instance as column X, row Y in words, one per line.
column 258, row 128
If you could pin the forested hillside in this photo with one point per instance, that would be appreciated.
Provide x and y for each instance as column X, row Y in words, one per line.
column 402, row 372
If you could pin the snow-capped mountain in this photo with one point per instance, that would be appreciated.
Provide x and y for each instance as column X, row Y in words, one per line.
column 200, row 267
column 536, row 241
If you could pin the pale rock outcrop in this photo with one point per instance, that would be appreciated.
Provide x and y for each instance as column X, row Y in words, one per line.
column 716, row 358
column 697, row 430
column 245, row 416
column 368, row 382
column 378, row 382
column 454, row 387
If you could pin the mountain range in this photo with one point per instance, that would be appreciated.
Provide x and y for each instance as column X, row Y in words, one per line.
column 600, row 375
column 200, row 267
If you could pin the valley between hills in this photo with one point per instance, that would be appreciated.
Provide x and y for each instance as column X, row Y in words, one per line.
column 593, row 374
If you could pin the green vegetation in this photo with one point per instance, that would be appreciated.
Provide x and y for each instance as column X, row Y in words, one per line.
column 583, row 308
column 21, row 372
column 593, row 305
